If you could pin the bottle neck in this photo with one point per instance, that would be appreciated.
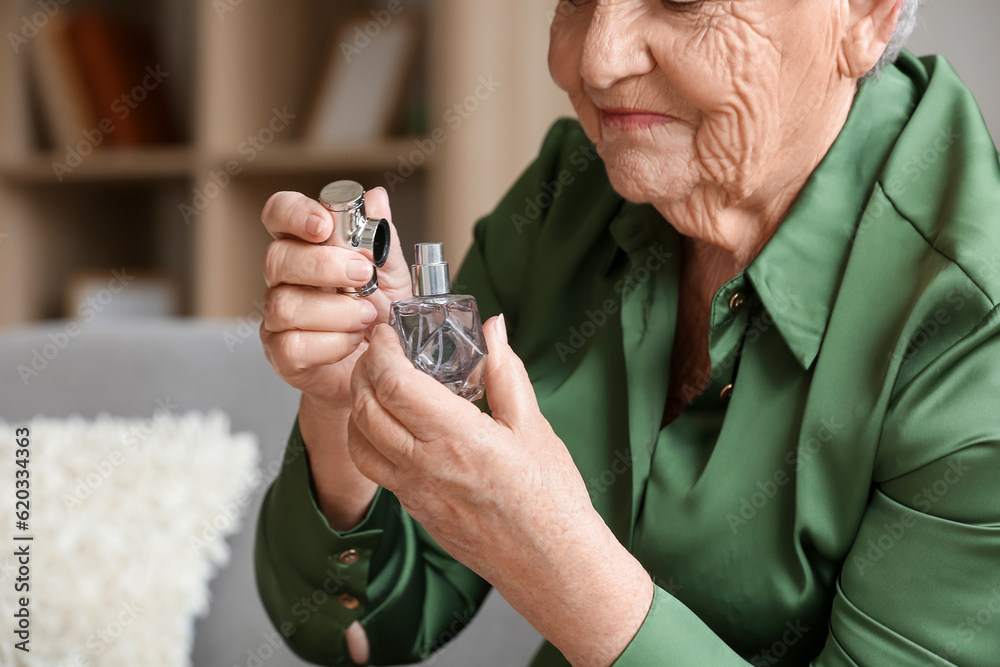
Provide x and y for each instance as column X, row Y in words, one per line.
column 430, row 279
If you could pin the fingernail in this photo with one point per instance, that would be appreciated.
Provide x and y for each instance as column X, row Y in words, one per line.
column 358, row 269
column 368, row 312
column 357, row 643
column 314, row 224
column 501, row 328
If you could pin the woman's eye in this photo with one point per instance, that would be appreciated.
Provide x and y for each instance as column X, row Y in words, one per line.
column 682, row 6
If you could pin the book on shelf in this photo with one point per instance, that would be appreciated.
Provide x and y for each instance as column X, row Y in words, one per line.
column 362, row 83
column 61, row 93
column 99, row 78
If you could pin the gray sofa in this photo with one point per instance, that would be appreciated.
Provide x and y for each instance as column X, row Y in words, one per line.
column 123, row 368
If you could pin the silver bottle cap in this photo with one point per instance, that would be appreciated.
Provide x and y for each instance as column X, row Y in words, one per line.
column 354, row 230
column 430, row 272
column 342, row 196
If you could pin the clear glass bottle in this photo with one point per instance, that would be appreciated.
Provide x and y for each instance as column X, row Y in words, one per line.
column 441, row 332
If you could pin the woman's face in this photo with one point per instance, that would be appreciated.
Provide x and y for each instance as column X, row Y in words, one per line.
column 682, row 96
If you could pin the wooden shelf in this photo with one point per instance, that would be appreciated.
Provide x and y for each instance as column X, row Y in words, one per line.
column 103, row 165
column 229, row 72
column 299, row 158
column 182, row 162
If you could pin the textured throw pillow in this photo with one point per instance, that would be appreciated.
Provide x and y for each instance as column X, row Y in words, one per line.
column 128, row 520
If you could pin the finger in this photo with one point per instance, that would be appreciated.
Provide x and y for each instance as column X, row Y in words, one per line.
column 377, row 204
column 508, row 388
column 368, row 459
column 292, row 214
column 396, row 272
column 391, row 438
column 293, row 352
column 357, row 643
column 309, row 309
column 424, row 406
column 295, row 262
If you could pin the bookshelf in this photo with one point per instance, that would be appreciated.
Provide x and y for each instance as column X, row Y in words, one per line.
column 234, row 65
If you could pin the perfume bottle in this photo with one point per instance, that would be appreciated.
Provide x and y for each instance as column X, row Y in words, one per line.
column 441, row 332
column 354, row 230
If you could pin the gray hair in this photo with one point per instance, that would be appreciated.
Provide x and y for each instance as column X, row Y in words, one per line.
column 907, row 22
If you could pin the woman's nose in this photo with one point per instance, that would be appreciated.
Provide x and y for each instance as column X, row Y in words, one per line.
column 614, row 47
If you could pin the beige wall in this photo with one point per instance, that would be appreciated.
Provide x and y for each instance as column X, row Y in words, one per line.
column 509, row 41
column 965, row 32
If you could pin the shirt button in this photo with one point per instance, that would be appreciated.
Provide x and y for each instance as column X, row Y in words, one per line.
column 737, row 302
column 350, row 557
column 348, row 601
column 727, row 392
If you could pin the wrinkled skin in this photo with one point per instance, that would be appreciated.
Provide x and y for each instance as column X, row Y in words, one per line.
column 758, row 90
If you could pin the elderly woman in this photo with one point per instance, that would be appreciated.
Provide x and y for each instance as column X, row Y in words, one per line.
column 744, row 393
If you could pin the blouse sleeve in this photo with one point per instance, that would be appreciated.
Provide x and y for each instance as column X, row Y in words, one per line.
column 387, row 573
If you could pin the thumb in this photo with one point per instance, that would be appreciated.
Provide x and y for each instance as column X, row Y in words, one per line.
column 508, row 389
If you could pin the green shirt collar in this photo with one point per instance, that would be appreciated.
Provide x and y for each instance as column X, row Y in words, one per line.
column 798, row 273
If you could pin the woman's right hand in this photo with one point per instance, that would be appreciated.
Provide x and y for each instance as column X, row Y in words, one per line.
column 313, row 335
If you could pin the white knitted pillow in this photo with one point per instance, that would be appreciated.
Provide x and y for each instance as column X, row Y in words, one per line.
column 129, row 520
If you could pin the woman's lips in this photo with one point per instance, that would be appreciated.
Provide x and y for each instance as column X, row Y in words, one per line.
column 633, row 119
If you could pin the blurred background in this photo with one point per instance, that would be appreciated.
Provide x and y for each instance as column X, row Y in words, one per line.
column 139, row 141
column 243, row 108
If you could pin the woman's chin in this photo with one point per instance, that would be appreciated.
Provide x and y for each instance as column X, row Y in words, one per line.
column 641, row 180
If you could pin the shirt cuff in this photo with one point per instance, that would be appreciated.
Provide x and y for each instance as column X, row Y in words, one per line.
column 315, row 581
column 672, row 634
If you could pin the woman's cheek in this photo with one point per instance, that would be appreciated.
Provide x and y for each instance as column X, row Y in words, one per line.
column 565, row 44
column 589, row 116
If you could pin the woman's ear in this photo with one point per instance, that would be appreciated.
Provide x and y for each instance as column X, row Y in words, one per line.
column 872, row 25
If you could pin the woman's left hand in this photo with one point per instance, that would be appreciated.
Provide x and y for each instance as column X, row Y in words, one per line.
column 501, row 494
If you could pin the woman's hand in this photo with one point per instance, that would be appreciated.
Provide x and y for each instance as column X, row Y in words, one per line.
column 501, row 494
column 313, row 335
